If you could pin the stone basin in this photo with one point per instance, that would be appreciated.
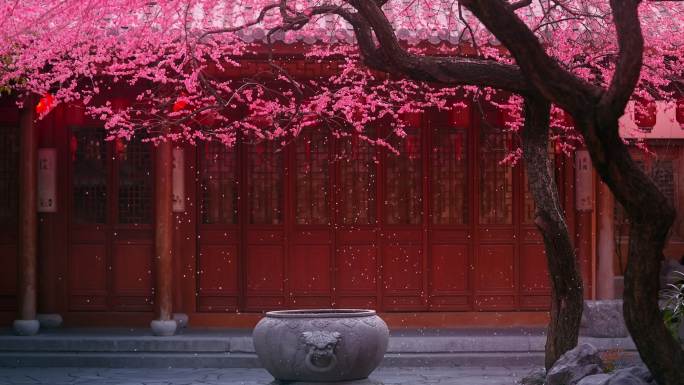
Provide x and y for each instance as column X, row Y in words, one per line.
column 321, row 345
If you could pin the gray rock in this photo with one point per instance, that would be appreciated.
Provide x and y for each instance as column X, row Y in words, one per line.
column 596, row 379
column 603, row 319
column 635, row 375
column 535, row 377
column 574, row 365
column 181, row 319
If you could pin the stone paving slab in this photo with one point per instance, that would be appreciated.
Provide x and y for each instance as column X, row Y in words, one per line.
column 174, row 376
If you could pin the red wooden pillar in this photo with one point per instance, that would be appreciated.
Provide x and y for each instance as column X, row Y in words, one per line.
column 163, row 239
column 27, row 324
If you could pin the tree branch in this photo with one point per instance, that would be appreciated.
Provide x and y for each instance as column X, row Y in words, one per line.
column 628, row 67
column 546, row 75
column 445, row 70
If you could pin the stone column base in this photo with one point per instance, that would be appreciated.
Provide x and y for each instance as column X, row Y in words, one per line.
column 26, row 327
column 181, row 319
column 163, row 328
column 50, row 320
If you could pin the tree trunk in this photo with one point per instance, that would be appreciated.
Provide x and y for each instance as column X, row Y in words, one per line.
column 651, row 216
column 566, row 281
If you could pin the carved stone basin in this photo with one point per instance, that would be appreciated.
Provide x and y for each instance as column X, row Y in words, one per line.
column 327, row 345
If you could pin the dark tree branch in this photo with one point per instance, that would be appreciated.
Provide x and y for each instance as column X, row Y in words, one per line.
column 519, row 4
column 566, row 280
column 628, row 68
column 444, row 70
column 544, row 72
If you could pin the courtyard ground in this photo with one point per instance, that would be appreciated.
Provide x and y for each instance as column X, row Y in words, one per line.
column 174, row 376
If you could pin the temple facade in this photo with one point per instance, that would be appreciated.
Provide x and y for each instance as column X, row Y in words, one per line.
column 441, row 235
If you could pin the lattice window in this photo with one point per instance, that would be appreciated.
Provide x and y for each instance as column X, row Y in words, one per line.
column 496, row 180
column 312, row 197
column 357, row 198
column 404, row 187
column 219, row 186
column 89, row 180
column 135, row 182
column 265, row 175
column 9, row 175
column 449, row 179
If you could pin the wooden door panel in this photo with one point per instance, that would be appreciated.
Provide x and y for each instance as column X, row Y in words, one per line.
column 132, row 277
column 534, row 275
column 309, row 269
column 88, row 277
column 495, row 268
column 264, row 264
column 356, row 269
column 218, row 270
column 402, row 269
column 449, row 268
column 8, row 277
column 356, row 302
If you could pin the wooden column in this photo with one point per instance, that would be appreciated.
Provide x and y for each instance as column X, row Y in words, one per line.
column 28, row 216
column 163, row 231
column 605, row 287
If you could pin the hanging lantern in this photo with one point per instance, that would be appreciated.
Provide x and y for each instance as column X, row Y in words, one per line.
column 458, row 147
column 45, row 104
column 412, row 119
column 459, row 116
column 645, row 113
column 412, row 146
column 680, row 112
column 180, row 104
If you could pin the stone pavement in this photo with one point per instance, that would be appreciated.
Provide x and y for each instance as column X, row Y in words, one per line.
column 174, row 376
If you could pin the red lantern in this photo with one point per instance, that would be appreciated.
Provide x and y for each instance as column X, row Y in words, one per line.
column 45, row 104
column 412, row 119
column 180, row 103
column 412, row 146
column 459, row 116
column 645, row 112
column 680, row 112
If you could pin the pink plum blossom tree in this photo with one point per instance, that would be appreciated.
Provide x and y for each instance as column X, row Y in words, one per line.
column 190, row 66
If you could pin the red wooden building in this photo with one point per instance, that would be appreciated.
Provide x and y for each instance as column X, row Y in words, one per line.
column 441, row 235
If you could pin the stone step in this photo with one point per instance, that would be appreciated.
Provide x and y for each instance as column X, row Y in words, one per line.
column 231, row 348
